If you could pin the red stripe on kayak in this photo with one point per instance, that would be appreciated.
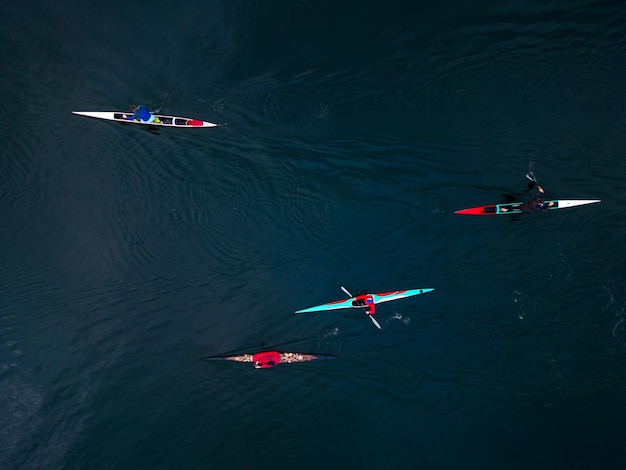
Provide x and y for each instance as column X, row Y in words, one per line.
column 383, row 294
column 195, row 122
column 481, row 210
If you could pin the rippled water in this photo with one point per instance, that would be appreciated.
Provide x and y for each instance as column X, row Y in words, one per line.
column 352, row 132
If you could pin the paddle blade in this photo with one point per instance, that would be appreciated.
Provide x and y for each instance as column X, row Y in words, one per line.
column 375, row 322
column 346, row 291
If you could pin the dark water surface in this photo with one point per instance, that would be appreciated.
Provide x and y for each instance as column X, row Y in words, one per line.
column 355, row 129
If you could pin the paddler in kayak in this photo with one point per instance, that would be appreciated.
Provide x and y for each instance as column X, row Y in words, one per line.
column 366, row 302
column 266, row 360
column 536, row 203
column 142, row 114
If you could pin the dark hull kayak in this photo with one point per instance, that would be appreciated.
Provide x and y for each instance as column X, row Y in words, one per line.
column 516, row 207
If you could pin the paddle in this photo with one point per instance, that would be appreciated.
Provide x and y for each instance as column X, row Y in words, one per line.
column 375, row 322
column 533, row 180
column 346, row 291
column 370, row 316
column 161, row 105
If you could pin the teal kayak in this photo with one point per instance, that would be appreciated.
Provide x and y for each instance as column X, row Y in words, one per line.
column 353, row 302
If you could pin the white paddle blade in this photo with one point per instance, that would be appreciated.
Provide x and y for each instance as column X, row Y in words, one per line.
column 346, row 291
column 375, row 322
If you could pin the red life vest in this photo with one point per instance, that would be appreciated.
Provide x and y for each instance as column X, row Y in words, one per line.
column 266, row 359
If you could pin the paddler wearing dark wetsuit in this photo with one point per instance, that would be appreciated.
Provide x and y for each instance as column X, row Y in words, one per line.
column 536, row 203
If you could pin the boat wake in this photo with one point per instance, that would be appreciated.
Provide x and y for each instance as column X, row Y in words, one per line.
column 398, row 316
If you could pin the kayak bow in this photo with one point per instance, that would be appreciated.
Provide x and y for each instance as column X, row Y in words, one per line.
column 162, row 120
column 378, row 298
column 516, row 207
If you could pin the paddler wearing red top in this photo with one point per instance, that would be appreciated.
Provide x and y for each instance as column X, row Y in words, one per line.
column 266, row 359
column 366, row 302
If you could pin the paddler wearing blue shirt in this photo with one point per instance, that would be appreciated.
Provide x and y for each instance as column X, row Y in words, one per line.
column 141, row 113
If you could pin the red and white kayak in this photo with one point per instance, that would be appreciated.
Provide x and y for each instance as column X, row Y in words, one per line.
column 161, row 120
column 516, row 207
column 269, row 359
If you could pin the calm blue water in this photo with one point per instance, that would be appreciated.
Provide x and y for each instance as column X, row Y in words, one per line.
column 354, row 131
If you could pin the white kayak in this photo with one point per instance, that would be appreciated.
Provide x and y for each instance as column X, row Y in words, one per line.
column 161, row 120
column 518, row 207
